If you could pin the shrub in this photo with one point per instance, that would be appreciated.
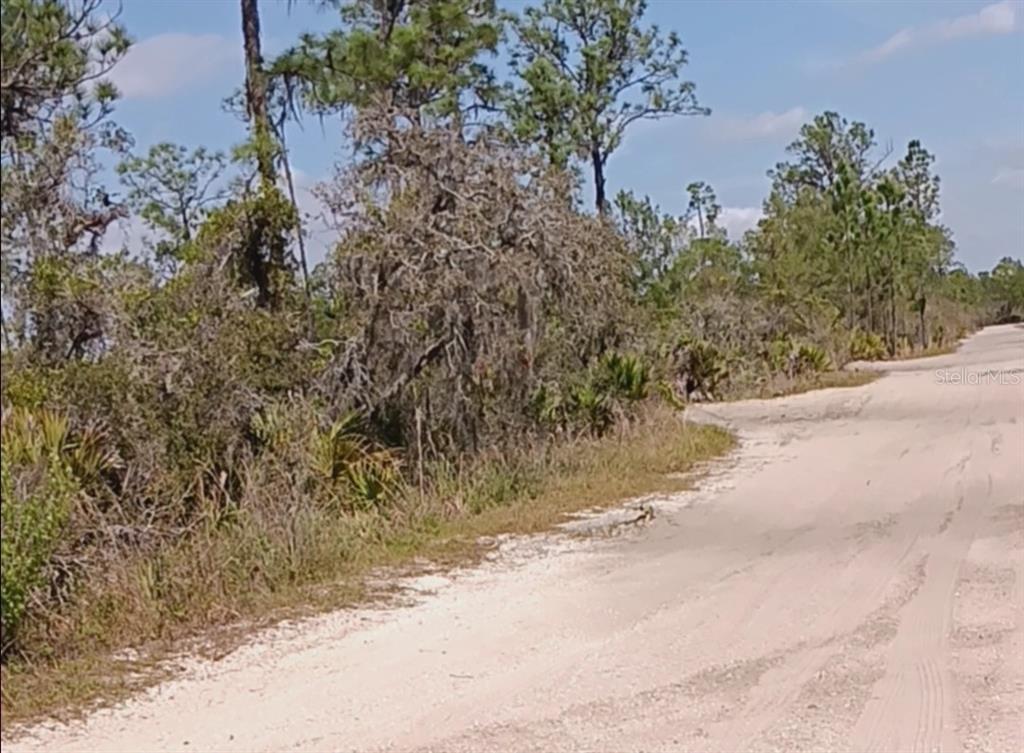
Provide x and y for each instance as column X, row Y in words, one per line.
column 699, row 368
column 622, row 377
column 38, row 489
column 811, row 359
column 779, row 355
column 591, row 407
column 366, row 474
column 866, row 346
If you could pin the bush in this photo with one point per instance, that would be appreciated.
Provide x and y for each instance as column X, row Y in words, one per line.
column 622, row 377
column 779, row 355
column 592, row 402
column 699, row 369
column 811, row 359
column 368, row 475
column 867, row 346
column 38, row 490
column 591, row 407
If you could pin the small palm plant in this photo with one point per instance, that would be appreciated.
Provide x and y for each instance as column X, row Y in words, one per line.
column 624, row 377
column 342, row 454
column 811, row 359
column 43, row 467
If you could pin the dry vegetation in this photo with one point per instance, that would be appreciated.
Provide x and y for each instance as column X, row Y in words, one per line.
column 203, row 430
column 448, row 525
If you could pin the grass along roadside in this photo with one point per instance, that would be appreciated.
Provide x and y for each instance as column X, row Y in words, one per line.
column 196, row 595
column 930, row 351
column 914, row 353
column 782, row 386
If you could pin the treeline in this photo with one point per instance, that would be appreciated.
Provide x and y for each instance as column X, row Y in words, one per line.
column 210, row 415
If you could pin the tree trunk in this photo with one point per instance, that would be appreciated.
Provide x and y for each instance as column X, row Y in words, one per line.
column 256, row 91
column 598, row 161
column 892, row 308
column 871, row 299
column 265, row 249
column 924, row 331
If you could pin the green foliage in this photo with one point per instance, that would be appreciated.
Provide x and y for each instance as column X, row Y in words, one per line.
column 202, row 423
column 591, row 407
column 25, row 387
column 784, row 356
column 38, row 489
column 841, row 232
column 582, row 405
column 587, row 70
column 866, row 346
column 699, row 368
column 499, row 484
column 369, row 475
column 825, row 148
column 173, row 190
column 423, row 57
column 593, row 400
column 779, row 354
column 54, row 54
column 703, row 207
column 622, row 377
column 1004, row 287
column 252, row 231
column 811, row 359
column 54, row 108
column 655, row 240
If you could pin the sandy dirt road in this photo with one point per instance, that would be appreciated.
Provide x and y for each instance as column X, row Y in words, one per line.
column 851, row 580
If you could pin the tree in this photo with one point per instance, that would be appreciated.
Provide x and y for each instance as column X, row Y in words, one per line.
column 703, row 207
column 421, row 58
column 824, row 145
column 265, row 246
column 887, row 221
column 921, row 187
column 876, row 249
column 794, row 262
column 928, row 248
column 256, row 92
column 832, row 162
column 172, row 189
column 55, row 55
column 54, row 108
column 654, row 240
column 588, row 70
column 1004, row 287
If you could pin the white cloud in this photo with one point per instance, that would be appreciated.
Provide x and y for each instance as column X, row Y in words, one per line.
column 765, row 125
column 995, row 19
column 738, row 220
column 1010, row 177
column 1007, row 160
column 168, row 63
column 734, row 220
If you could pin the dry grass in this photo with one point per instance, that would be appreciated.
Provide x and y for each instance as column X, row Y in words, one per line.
column 825, row 380
column 524, row 495
column 932, row 350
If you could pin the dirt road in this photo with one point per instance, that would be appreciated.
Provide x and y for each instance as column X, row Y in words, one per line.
column 852, row 580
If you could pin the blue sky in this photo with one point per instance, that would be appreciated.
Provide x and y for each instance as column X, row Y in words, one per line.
column 948, row 73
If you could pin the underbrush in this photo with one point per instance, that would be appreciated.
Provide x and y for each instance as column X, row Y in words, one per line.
column 269, row 559
column 782, row 385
